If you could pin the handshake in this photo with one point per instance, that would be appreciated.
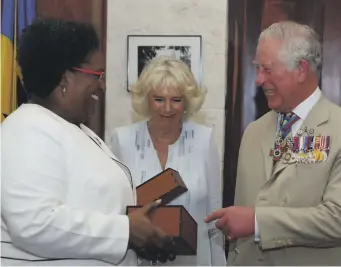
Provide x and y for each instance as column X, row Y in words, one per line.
column 147, row 240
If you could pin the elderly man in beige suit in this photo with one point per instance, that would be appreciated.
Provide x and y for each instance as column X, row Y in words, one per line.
column 288, row 194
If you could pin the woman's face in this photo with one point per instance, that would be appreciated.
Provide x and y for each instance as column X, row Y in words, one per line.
column 83, row 88
column 166, row 106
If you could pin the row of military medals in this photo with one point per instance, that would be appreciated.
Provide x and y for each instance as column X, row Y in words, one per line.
column 301, row 149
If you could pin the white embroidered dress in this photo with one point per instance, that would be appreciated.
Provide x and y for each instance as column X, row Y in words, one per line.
column 195, row 157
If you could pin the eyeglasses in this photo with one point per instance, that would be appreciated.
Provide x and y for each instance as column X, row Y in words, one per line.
column 100, row 74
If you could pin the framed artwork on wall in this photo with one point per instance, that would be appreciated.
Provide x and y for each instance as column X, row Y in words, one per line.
column 143, row 48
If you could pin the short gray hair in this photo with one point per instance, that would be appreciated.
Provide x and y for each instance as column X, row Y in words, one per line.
column 300, row 42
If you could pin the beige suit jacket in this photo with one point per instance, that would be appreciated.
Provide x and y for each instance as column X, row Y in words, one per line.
column 298, row 206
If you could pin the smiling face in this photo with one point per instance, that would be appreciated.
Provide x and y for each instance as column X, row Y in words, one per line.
column 83, row 89
column 280, row 85
column 166, row 106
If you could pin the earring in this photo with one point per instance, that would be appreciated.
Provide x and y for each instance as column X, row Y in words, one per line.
column 64, row 91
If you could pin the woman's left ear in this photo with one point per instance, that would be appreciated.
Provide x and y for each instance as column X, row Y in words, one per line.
column 304, row 70
column 66, row 78
column 64, row 84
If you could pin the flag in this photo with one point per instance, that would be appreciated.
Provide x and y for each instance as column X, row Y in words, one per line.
column 15, row 16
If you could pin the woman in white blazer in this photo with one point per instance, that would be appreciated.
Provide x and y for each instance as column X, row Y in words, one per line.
column 63, row 193
column 167, row 95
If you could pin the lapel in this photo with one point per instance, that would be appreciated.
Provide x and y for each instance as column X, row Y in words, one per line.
column 107, row 151
column 318, row 115
column 280, row 165
column 268, row 142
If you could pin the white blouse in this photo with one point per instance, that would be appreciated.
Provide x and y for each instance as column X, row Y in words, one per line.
column 195, row 157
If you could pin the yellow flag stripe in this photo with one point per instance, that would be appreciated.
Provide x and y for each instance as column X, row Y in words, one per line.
column 7, row 86
column 9, row 70
column 14, row 70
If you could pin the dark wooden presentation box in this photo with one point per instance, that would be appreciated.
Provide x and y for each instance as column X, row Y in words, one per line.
column 166, row 185
column 178, row 223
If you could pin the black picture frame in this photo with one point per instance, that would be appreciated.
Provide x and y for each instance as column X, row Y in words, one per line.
column 142, row 48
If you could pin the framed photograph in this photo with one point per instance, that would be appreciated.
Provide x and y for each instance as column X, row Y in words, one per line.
column 143, row 48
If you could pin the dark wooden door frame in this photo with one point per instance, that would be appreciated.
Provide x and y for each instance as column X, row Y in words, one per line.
column 244, row 20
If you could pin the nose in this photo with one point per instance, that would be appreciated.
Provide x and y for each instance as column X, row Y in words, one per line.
column 168, row 106
column 260, row 79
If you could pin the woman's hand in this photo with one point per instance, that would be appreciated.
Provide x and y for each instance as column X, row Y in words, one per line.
column 148, row 240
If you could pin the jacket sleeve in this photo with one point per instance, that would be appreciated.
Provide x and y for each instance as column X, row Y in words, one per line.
column 213, row 176
column 34, row 189
column 318, row 226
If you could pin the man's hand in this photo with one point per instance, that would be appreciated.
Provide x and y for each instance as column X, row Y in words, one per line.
column 235, row 222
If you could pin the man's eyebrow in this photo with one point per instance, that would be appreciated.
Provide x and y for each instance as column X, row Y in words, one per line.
column 269, row 65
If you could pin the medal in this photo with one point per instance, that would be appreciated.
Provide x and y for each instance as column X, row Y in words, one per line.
column 296, row 143
column 279, row 142
column 312, row 149
column 311, row 158
column 287, row 156
column 327, row 143
column 277, row 154
column 317, row 142
column 290, row 142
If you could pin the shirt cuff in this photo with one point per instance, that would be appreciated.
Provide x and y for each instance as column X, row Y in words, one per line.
column 257, row 237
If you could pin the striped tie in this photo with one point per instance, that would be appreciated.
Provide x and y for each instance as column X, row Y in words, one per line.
column 286, row 123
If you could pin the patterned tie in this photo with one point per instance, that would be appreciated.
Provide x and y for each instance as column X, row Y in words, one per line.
column 286, row 123
column 287, row 120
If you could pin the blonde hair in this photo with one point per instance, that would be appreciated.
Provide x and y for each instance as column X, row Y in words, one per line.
column 166, row 72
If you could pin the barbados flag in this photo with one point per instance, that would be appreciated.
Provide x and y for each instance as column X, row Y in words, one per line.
column 15, row 16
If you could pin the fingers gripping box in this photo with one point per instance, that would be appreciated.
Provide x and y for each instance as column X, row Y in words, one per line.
column 174, row 220
column 178, row 223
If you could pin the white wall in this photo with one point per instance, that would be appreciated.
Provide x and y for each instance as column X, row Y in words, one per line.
column 200, row 17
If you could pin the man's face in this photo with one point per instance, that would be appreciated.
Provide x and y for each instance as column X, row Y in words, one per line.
column 279, row 84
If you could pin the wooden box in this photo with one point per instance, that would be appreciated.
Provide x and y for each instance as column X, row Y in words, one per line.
column 166, row 185
column 178, row 223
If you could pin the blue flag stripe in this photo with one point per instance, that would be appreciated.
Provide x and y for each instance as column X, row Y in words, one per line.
column 7, row 19
column 26, row 14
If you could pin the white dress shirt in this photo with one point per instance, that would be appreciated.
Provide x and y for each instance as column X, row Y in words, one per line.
column 63, row 194
column 195, row 157
column 302, row 111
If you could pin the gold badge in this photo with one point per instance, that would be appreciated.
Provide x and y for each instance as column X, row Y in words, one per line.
column 287, row 156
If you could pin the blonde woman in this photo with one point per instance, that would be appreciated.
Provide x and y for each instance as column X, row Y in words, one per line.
column 167, row 95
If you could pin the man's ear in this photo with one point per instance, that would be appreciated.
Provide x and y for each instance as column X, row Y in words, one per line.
column 304, row 70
